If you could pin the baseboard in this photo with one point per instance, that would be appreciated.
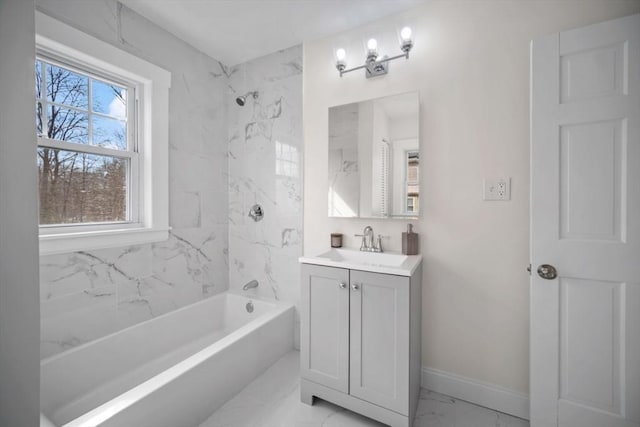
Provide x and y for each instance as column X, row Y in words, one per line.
column 480, row 393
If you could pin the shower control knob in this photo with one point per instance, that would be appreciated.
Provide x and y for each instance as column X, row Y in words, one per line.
column 256, row 213
column 342, row 285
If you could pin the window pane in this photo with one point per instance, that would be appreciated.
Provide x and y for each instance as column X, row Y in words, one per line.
column 38, row 79
column 67, row 125
column 109, row 133
column 38, row 84
column 66, row 87
column 81, row 188
column 39, row 117
column 109, row 99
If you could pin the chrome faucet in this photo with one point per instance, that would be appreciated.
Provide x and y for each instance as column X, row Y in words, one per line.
column 252, row 284
column 368, row 244
column 367, row 238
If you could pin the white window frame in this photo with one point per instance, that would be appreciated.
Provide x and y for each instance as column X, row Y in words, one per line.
column 151, row 221
column 133, row 153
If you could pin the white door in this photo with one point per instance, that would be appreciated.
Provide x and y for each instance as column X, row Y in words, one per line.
column 585, row 222
column 379, row 346
column 324, row 326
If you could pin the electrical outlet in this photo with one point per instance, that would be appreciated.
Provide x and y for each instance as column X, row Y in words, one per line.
column 496, row 189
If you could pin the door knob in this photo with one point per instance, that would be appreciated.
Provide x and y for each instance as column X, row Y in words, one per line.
column 342, row 285
column 354, row 286
column 547, row 271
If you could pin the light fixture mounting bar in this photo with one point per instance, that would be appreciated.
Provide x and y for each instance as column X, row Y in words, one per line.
column 374, row 65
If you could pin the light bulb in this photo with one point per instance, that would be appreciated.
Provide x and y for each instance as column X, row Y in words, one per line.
column 406, row 42
column 372, row 45
column 340, row 64
column 405, row 34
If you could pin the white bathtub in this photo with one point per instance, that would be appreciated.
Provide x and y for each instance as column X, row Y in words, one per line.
column 172, row 371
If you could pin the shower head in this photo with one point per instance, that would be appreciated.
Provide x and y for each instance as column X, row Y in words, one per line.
column 242, row 99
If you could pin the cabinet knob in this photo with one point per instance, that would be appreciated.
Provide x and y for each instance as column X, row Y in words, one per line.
column 354, row 286
column 342, row 285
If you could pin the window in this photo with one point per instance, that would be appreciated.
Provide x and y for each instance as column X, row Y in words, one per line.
column 102, row 142
column 88, row 159
column 413, row 181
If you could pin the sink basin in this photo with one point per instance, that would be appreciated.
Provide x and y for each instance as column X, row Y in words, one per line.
column 385, row 262
column 366, row 258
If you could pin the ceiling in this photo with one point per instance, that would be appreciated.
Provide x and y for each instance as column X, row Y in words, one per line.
column 235, row 31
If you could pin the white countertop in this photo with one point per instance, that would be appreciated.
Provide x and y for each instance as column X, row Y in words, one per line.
column 353, row 259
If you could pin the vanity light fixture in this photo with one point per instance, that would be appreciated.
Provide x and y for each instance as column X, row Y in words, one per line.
column 374, row 66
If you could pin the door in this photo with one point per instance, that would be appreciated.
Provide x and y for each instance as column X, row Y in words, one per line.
column 585, row 222
column 324, row 326
column 380, row 339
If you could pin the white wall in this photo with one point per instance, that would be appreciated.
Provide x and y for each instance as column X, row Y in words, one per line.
column 19, row 308
column 470, row 64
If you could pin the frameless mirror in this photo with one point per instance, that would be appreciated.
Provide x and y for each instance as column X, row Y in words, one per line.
column 374, row 158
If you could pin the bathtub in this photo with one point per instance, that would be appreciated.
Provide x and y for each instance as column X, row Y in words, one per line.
column 172, row 371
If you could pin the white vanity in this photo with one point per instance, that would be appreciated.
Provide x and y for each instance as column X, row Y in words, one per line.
column 360, row 332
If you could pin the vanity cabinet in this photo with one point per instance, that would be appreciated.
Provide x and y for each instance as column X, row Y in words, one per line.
column 360, row 341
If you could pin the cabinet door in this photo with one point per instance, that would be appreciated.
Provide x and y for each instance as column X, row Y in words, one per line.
column 324, row 326
column 379, row 366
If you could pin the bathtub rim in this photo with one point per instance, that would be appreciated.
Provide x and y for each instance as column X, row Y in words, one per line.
column 276, row 303
column 121, row 402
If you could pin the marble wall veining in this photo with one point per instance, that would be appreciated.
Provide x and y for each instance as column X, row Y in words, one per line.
column 343, row 167
column 88, row 294
column 265, row 167
column 223, row 158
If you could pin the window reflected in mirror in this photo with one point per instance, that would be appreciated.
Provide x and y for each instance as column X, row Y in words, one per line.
column 413, row 182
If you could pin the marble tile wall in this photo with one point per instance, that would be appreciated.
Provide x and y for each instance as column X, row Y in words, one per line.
column 265, row 167
column 86, row 295
column 223, row 159
column 344, row 175
column 344, row 183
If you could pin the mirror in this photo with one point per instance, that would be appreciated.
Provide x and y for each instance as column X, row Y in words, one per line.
column 374, row 158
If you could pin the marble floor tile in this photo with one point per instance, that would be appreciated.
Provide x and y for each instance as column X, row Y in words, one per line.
column 273, row 400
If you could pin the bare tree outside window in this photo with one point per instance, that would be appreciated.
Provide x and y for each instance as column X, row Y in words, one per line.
column 80, row 186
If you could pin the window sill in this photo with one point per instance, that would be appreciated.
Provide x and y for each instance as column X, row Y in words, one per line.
column 71, row 242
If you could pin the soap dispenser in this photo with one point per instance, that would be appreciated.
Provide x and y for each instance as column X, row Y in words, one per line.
column 410, row 241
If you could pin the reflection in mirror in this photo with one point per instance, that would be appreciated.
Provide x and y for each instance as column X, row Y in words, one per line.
column 412, row 185
column 374, row 158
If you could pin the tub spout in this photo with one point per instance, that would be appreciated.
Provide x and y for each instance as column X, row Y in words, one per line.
column 250, row 285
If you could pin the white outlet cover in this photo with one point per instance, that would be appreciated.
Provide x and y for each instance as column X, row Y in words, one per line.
column 496, row 189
